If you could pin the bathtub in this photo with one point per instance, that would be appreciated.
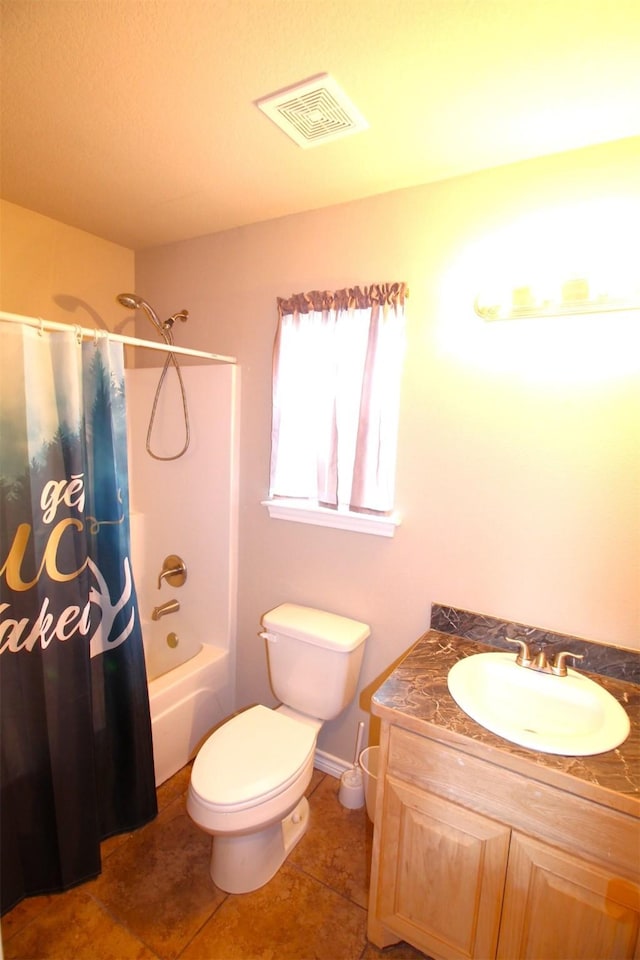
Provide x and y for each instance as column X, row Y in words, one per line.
column 186, row 703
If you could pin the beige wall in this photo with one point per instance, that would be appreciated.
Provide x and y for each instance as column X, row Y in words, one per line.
column 63, row 274
column 518, row 459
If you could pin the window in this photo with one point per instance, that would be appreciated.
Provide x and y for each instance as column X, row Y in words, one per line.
column 336, row 388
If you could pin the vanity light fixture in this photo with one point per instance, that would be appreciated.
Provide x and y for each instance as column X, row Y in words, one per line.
column 575, row 298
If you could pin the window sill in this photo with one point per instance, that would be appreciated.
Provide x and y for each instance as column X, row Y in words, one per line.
column 300, row 512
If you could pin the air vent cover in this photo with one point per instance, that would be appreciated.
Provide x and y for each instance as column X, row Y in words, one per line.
column 313, row 112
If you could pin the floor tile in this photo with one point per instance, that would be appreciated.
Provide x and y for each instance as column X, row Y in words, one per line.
column 27, row 911
column 73, row 925
column 399, row 951
column 158, row 883
column 155, row 899
column 293, row 917
column 176, row 786
column 337, row 847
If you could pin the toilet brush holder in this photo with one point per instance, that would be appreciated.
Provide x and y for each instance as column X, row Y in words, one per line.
column 351, row 793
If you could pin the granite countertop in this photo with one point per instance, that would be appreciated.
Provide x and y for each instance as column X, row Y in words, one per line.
column 416, row 697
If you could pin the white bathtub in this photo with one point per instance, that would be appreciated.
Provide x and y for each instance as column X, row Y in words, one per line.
column 186, row 703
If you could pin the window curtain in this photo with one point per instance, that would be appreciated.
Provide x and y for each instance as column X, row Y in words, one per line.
column 336, row 390
column 76, row 750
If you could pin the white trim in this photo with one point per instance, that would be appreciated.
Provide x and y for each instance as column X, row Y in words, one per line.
column 95, row 334
column 300, row 512
column 327, row 763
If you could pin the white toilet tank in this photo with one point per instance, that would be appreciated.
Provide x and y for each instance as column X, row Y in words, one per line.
column 314, row 658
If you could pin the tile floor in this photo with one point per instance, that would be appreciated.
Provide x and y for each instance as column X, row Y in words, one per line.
column 155, row 899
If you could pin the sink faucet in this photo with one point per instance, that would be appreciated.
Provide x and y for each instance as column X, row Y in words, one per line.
column 171, row 606
column 525, row 657
column 557, row 665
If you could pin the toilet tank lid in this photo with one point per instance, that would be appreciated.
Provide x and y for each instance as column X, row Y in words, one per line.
column 316, row 626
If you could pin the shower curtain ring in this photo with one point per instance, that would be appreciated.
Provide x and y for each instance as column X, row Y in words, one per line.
column 41, row 327
column 78, row 335
column 95, row 336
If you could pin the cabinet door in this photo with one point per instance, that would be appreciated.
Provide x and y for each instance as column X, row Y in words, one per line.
column 558, row 907
column 442, row 874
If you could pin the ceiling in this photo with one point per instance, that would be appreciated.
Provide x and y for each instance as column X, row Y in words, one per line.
column 135, row 120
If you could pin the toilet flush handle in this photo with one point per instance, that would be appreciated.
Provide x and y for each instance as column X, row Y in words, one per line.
column 268, row 636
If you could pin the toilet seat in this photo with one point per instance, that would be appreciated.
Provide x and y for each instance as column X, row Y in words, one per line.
column 250, row 759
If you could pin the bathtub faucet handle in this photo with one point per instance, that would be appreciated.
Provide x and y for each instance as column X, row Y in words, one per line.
column 174, row 571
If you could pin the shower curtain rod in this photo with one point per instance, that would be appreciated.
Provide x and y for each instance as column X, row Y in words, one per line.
column 95, row 334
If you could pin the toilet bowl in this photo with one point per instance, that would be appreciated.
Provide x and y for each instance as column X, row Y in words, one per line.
column 248, row 780
column 247, row 789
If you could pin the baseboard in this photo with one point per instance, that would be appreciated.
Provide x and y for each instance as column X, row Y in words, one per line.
column 329, row 764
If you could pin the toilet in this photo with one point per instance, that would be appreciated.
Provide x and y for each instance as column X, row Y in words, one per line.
column 248, row 780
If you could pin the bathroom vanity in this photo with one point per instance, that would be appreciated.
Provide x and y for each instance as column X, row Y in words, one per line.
column 486, row 849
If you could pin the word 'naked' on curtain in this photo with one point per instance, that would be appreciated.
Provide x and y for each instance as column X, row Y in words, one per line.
column 337, row 370
column 76, row 749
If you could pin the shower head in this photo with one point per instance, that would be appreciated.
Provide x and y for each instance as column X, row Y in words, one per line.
column 133, row 302
column 129, row 300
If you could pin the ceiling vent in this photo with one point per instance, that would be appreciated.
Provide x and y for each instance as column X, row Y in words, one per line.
column 313, row 112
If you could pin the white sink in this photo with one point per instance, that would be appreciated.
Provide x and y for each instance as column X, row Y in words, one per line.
column 572, row 715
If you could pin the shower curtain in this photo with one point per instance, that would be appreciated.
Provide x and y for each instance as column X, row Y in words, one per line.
column 76, row 749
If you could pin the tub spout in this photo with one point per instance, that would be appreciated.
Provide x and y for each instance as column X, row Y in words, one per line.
column 171, row 606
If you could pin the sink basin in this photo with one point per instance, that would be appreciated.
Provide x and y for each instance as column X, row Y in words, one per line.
column 572, row 716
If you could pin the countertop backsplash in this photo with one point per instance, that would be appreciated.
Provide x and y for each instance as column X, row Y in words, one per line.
column 599, row 658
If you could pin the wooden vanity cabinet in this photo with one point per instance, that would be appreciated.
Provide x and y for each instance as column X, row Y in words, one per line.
column 442, row 874
column 559, row 906
column 475, row 860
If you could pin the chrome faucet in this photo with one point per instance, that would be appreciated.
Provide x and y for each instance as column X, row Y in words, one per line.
column 171, row 606
column 557, row 665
